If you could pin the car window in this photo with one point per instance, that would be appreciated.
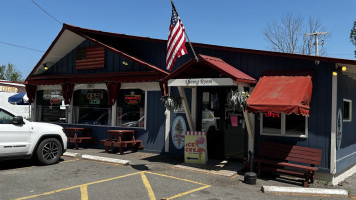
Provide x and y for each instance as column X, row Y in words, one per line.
column 5, row 117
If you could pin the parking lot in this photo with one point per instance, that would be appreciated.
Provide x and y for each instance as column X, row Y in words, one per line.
column 74, row 178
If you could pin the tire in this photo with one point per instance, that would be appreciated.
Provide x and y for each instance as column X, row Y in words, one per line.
column 49, row 151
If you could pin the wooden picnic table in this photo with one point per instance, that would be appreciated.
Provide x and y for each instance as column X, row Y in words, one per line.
column 78, row 135
column 122, row 139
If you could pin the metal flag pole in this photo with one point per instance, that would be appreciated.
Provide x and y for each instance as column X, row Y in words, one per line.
column 186, row 35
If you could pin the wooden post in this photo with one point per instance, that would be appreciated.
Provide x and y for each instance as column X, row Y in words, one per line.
column 186, row 108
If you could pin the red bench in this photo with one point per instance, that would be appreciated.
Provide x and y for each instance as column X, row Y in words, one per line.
column 79, row 135
column 122, row 139
column 278, row 157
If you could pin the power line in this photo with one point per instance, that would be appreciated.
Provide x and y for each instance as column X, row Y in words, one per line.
column 46, row 12
column 15, row 45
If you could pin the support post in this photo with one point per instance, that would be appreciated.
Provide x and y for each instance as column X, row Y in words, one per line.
column 168, row 127
column 186, row 108
column 333, row 125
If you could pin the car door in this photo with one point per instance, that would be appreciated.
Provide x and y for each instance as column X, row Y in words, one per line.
column 14, row 139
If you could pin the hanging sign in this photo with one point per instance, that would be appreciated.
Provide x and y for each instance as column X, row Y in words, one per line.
column 132, row 99
column 339, row 129
column 54, row 101
column 195, row 148
column 179, row 127
column 8, row 89
column 95, row 94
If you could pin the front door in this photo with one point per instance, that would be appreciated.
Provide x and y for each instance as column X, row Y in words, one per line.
column 14, row 139
column 226, row 131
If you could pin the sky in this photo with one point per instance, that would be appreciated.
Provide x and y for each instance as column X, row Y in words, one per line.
column 233, row 23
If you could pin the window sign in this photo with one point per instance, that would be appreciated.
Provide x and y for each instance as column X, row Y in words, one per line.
column 132, row 99
column 48, row 106
column 130, row 110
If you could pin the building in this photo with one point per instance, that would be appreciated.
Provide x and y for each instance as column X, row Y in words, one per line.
column 113, row 81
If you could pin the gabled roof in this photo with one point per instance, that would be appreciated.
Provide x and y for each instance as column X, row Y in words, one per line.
column 68, row 39
column 206, row 66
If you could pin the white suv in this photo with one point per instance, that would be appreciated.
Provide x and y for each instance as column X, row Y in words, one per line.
column 20, row 138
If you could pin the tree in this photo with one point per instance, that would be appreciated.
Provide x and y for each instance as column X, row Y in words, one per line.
column 287, row 34
column 10, row 73
column 353, row 35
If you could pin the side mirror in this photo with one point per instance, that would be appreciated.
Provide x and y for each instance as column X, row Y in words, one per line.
column 17, row 120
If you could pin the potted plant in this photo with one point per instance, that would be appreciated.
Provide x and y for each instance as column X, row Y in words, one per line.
column 171, row 101
column 237, row 100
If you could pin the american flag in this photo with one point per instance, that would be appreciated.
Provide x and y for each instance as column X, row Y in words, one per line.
column 90, row 58
column 176, row 40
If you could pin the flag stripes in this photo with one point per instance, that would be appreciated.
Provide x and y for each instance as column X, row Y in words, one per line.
column 92, row 58
column 176, row 40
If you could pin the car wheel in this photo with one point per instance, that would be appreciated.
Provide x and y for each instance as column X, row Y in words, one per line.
column 49, row 151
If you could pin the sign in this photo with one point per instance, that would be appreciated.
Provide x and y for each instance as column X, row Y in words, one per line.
column 195, row 147
column 94, row 101
column 272, row 115
column 95, row 94
column 54, row 101
column 8, row 89
column 339, row 129
column 179, row 127
column 202, row 82
column 132, row 99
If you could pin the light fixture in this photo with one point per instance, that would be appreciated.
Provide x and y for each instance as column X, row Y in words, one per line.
column 334, row 73
column 125, row 63
column 45, row 66
column 343, row 68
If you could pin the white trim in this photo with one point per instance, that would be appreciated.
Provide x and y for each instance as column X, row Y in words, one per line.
column 350, row 110
column 49, row 87
column 202, row 82
column 194, row 107
column 146, row 86
column 113, row 113
column 341, row 177
column 346, row 156
column 95, row 86
column 333, row 125
column 145, row 119
column 282, row 132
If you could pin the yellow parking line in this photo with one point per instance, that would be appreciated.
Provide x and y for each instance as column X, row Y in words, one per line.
column 188, row 192
column 77, row 186
column 182, row 179
column 84, row 192
column 145, row 181
column 69, row 160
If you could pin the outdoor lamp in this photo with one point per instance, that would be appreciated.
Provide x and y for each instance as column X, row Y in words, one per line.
column 45, row 66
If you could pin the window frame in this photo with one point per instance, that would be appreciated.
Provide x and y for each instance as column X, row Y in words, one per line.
column 282, row 132
column 350, row 110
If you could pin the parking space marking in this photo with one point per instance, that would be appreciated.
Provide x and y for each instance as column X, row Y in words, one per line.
column 84, row 187
column 84, row 192
column 145, row 181
column 69, row 160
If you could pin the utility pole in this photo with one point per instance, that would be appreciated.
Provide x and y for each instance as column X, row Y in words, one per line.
column 316, row 34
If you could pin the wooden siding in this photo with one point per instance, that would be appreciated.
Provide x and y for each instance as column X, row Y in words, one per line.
column 346, row 155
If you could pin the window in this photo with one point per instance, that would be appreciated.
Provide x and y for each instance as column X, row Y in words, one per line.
column 5, row 117
column 91, row 107
column 347, row 110
column 280, row 124
column 48, row 106
column 130, row 110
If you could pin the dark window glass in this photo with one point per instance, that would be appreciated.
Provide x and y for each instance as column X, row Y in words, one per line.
column 5, row 117
column 347, row 114
column 272, row 121
column 91, row 107
column 295, row 123
column 48, row 106
column 131, row 108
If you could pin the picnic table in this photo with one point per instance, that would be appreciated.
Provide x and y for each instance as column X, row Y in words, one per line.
column 78, row 135
column 121, row 139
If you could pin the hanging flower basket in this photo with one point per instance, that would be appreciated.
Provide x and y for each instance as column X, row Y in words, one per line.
column 172, row 101
column 237, row 100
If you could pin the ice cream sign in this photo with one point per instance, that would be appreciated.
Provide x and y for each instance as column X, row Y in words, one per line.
column 195, row 150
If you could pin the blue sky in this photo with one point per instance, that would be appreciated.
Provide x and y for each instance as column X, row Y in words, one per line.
column 220, row 22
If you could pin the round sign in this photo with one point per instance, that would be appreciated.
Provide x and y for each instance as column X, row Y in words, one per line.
column 179, row 128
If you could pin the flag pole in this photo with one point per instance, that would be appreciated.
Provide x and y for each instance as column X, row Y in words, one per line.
column 186, row 35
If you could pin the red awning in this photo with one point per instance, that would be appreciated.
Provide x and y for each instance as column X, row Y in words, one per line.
column 282, row 92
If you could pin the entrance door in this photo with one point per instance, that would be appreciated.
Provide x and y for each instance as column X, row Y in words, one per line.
column 226, row 131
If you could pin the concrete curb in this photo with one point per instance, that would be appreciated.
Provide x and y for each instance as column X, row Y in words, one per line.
column 70, row 154
column 104, row 159
column 277, row 189
column 226, row 173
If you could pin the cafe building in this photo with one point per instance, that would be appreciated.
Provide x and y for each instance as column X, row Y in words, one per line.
column 105, row 81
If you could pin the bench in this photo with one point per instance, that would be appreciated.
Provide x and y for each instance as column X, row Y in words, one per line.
column 122, row 139
column 288, row 159
column 79, row 135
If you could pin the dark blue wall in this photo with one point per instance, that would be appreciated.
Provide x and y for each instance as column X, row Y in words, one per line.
column 346, row 155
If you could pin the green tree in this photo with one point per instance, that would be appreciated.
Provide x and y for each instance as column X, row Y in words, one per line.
column 353, row 35
column 10, row 73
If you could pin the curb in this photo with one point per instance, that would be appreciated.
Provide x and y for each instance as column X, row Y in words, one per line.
column 104, row 159
column 277, row 189
column 98, row 158
column 226, row 173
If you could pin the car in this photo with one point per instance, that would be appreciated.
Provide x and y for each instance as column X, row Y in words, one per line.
column 20, row 138
column 208, row 121
column 131, row 119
